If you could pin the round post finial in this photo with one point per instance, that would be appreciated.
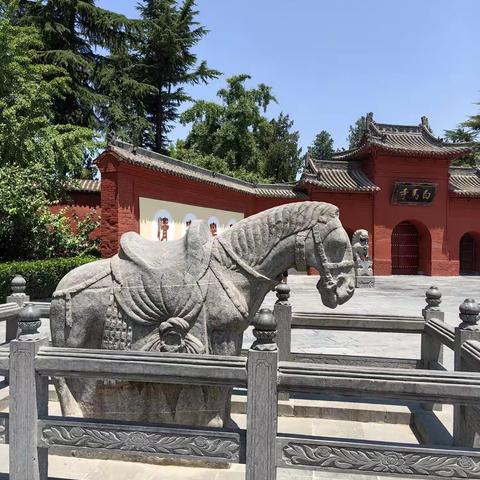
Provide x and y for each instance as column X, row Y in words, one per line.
column 29, row 321
column 469, row 314
column 264, row 330
column 18, row 285
column 283, row 294
column 433, row 298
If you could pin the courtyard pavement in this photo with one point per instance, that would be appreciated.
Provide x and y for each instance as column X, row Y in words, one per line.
column 393, row 295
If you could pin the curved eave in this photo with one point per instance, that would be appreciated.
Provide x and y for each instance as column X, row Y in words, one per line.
column 84, row 186
column 339, row 185
column 464, row 183
column 200, row 175
column 446, row 152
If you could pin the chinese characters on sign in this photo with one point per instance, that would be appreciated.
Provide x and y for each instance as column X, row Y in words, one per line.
column 414, row 193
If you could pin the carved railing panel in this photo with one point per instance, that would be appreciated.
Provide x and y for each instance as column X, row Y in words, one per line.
column 382, row 459
column 214, row 445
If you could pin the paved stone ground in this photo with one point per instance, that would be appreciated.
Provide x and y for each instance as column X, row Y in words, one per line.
column 395, row 295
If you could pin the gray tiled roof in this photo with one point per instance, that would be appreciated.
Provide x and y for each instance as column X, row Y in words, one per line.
column 84, row 186
column 345, row 176
column 417, row 140
column 464, row 181
column 162, row 163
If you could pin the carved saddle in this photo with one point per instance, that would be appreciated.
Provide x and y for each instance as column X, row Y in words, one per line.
column 154, row 281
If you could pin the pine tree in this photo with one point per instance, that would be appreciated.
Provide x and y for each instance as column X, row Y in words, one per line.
column 123, row 113
column 167, row 62
column 322, row 148
column 462, row 135
column 282, row 157
column 72, row 31
column 355, row 132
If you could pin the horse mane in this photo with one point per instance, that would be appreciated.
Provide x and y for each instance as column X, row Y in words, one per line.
column 264, row 230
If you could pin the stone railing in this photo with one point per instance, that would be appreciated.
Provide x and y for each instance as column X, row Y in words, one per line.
column 30, row 362
column 15, row 302
column 269, row 373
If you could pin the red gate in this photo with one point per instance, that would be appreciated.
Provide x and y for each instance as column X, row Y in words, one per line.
column 405, row 249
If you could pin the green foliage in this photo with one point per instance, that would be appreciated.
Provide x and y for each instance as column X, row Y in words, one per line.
column 462, row 135
column 28, row 134
column 42, row 276
column 282, row 154
column 236, row 131
column 473, row 124
column 355, row 132
column 212, row 163
column 36, row 154
column 72, row 31
column 28, row 228
column 122, row 77
column 124, row 115
column 322, row 148
column 167, row 62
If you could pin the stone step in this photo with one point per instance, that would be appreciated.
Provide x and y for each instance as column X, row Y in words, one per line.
column 334, row 409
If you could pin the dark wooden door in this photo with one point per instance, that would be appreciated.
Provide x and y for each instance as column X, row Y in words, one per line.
column 405, row 249
column 467, row 254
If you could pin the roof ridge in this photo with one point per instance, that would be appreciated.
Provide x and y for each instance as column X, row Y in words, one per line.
column 156, row 161
column 159, row 156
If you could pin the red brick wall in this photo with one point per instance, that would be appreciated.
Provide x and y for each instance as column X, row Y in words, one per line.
column 440, row 225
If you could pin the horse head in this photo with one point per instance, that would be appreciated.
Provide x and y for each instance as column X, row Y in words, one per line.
column 326, row 247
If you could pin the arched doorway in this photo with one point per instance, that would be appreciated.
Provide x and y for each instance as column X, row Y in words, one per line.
column 405, row 249
column 468, row 255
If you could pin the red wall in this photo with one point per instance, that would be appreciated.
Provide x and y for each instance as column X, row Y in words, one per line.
column 440, row 225
column 82, row 204
column 464, row 215
column 123, row 185
column 355, row 209
column 430, row 220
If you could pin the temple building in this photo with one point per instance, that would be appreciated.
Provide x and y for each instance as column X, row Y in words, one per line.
column 422, row 213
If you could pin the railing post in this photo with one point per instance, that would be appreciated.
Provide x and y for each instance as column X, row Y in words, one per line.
column 465, row 418
column 282, row 311
column 19, row 297
column 28, row 400
column 431, row 348
column 262, row 399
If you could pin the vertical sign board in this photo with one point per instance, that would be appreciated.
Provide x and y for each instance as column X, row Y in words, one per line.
column 413, row 193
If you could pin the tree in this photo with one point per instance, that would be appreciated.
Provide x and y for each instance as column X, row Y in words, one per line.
column 29, row 135
column 123, row 114
column 473, row 123
column 355, row 132
column 462, row 135
column 236, row 131
column 169, row 33
column 37, row 156
column 72, row 31
column 322, row 148
column 282, row 155
column 233, row 128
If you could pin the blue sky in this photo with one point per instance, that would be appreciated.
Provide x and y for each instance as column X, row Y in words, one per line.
column 331, row 61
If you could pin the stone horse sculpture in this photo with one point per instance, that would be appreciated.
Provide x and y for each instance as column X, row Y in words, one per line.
column 195, row 295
